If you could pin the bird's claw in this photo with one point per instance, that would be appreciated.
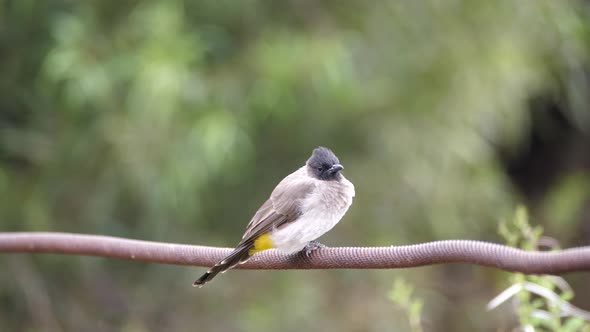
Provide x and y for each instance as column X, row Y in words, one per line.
column 311, row 247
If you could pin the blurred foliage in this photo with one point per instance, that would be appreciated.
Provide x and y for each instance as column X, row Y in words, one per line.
column 173, row 120
column 519, row 233
column 541, row 301
column 402, row 295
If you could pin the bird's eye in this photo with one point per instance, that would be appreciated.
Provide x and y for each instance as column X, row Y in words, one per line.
column 320, row 169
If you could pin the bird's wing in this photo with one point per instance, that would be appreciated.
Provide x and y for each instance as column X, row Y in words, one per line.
column 282, row 207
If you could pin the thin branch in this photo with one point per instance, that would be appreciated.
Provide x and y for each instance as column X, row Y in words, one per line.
column 439, row 252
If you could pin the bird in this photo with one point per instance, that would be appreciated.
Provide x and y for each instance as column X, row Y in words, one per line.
column 303, row 206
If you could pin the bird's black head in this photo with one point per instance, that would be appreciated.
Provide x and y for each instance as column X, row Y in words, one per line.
column 324, row 165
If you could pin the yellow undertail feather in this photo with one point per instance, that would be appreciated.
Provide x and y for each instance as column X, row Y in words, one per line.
column 238, row 256
column 263, row 242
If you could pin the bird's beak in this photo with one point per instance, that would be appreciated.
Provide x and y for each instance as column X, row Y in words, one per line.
column 335, row 168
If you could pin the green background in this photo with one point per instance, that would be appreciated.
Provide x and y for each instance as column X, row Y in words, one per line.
column 173, row 121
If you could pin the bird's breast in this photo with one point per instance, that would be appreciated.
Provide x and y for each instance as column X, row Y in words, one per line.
column 320, row 210
column 329, row 197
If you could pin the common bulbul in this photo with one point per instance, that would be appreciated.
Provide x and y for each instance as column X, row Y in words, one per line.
column 303, row 206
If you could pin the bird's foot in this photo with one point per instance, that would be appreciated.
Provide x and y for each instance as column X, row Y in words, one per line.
column 311, row 247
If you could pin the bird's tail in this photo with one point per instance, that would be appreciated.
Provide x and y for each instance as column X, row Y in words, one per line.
column 239, row 255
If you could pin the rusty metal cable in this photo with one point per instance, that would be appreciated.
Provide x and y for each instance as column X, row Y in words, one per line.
column 439, row 252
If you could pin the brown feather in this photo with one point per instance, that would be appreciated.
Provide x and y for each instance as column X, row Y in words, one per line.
column 281, row 208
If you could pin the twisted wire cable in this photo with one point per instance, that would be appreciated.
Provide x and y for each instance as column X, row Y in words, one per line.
column 438, row 252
